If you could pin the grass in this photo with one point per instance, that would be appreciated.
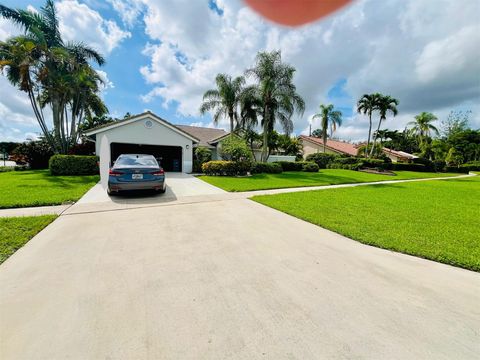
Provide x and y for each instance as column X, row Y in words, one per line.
column 437, row 220
column 299, row 179
column 39, row 188
column 17, row 231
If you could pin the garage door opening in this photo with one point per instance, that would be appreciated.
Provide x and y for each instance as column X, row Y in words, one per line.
column 169, row 157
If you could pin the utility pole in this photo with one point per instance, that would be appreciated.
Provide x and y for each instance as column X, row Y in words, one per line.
column 310, row 131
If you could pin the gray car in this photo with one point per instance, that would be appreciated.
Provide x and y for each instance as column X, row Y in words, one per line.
column 136, row 172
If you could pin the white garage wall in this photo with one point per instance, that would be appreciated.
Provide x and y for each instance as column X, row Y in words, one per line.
column 136, row 133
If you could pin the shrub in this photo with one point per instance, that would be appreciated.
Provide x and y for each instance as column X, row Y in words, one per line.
column 439, row 165
column 426, row 162
column 265, row 168
column 201, row 156
column 408, row 167
column 457, row 169
column 322, row 159
column 35, row 153
column 290, row 166
column 73, row 165
column 234, row 148
column 347, row 163
column 372, row 163
column 471, row 166
column 310, row 166
column 225, row 168
column 6, row 168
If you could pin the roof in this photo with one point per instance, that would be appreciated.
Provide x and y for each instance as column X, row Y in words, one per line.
column 335, row 145
column 206, row 136
column 400, row 154
column 134, row 118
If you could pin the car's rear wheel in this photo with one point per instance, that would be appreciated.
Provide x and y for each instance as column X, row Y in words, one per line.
column 162, row 190
column 110, row 192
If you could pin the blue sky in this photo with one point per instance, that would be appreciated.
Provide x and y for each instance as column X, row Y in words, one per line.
column 163, row 54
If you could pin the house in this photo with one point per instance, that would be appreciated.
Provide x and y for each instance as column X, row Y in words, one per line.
column 397, row 156
column 208, row 137
column 313, row 145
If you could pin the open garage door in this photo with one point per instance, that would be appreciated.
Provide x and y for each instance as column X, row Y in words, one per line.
column 169, row 157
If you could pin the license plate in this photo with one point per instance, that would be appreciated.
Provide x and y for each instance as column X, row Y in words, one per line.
column 137, row 176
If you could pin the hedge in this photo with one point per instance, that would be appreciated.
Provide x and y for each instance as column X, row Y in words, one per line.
column 73, row 165
column 226, row 168
column 290, row 166
column 408, row 167
column 310, row 166
column 322, row 159
column 471, row 166
column 265, row 168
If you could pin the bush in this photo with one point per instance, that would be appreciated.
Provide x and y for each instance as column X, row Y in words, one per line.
column 234, row 148
column 6, row 168
column 429, row 166
column 265, row 168
column 408, row 167
column 439, row 165
column 35, row 153
column 310, row 166
column 471, row 166
column 201, row 156
column 373, row 163
column 457, row 169
column 73, row 165
column 225, row 168
column 290, row 166
column 322, row 159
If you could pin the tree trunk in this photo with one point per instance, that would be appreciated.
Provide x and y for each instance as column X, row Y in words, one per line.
column 230, row 115
column 369, row 133
column 375, row 137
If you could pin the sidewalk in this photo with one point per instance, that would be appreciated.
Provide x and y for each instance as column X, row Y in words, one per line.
column 34, row 211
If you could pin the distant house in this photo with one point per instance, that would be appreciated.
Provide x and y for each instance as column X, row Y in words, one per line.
column 313, row 145
column 209, row 138
column 397, row 156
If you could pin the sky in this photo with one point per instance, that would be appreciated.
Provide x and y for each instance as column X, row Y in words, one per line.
column 162, row 55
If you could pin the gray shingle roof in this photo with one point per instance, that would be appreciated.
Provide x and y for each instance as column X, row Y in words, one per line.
column 205, row 135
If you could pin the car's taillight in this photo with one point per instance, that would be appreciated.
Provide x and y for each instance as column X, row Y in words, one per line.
column 115, row 173
column 159, row 172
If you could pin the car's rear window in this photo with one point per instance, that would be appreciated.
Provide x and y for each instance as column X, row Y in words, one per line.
column 136, row 161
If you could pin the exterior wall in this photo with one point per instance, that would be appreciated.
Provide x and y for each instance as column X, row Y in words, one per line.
column 392, row 157
column 137, row 133
column 310, row 148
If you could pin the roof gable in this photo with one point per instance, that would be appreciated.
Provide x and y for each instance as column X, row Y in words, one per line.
column 207, row 136
column 139, row 117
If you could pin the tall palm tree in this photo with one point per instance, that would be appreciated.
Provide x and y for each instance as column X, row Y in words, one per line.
column 330, row 119
column 385, row 104
column 41, row 64
column 224, row 100
column 276, row 93
column 422, row 126
column 367, row 105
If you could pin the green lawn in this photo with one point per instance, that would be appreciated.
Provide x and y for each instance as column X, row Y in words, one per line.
column 299, row 179
column 17, row 231
column 437, row 220
column 38, row 188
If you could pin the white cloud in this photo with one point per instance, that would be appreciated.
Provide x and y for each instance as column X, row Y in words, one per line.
column 425, row 55
column 78, row 22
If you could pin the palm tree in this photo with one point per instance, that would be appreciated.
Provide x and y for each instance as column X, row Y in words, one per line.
column 385, row 104
column 50, row 71
column 224, row 100
column 367, row 105
column 329, row 118
column 422, row 126
column 276, row 94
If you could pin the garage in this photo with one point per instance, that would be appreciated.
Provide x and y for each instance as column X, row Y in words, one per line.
column 145, row 133
column 169, row 157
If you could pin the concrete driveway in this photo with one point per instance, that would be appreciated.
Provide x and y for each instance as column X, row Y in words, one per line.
column 226, row 279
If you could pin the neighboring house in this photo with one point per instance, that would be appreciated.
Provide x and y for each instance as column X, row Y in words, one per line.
column 312, row 145
column 209, row 138
column 397, row 156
